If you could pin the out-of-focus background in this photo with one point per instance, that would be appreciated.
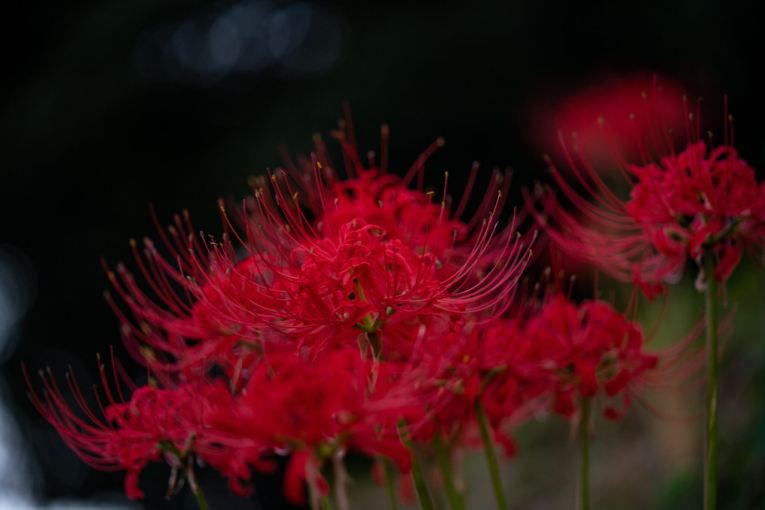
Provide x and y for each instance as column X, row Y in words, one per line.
column 109, row 105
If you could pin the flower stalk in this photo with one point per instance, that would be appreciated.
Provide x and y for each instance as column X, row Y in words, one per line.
column 442, row 455
column 710, row 450
column 341, row 481
column 426, row 502
column 491, row 457
column 584, row 478
column 198, row 494
column 390, row 489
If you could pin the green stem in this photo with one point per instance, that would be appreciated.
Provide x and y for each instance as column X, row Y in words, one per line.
column 455, row 498
column 426, row 503
column 200, row 497
column 584, row 434
column 390, row 489
column 491, row 457
column 710, row 460
column 326, row 504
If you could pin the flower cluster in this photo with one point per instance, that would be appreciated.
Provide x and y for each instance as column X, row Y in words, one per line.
column 336, row 316
column 701, row 202
column 681, row 205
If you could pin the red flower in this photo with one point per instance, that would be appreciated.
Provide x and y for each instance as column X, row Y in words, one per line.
column 384, row 199
column 154, row 423
column 680, row 204
column 314, row 409
column 322, row 333
column 615, row 97
column 298, row 289
column 586, row 348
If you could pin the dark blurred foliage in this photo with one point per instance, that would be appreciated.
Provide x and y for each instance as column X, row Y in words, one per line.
column 91, row 132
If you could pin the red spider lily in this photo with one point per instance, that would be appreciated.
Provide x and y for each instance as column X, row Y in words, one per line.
column 153, row 424
column 317, row 409
column 282, row 318
column 486, row 363
column 613, row 97
column 679, row 204
column 309, row 290
column 316, row 285
column 586, row 349
column 385, row 199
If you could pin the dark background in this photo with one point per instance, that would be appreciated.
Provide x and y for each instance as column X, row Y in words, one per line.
column 110, row 105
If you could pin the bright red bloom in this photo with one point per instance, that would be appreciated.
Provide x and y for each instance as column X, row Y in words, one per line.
column 490, row 364
column 586, row 349
column 285, row 312
column 680, row 205
column 418, row 219
column 550, row 355
column 316, row 409
column 154, row 423
column 616, row 98
column 297, row 288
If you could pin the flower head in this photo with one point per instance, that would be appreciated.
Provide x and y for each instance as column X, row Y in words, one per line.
column 588, row 349
column 154, row 424
column 316, row 410
column 681, row 204
column 326, row 313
